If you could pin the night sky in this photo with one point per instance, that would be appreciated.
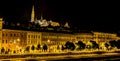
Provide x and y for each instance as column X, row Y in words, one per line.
column 86, row 15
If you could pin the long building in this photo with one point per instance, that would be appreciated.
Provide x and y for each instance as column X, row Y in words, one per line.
column 18, row 39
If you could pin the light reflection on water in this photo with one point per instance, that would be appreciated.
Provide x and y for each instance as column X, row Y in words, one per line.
column 118, row 59
column 24, row 60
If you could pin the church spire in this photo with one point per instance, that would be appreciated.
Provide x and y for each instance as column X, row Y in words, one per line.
column 33, row 14
column 67, row 25
column 41, row 17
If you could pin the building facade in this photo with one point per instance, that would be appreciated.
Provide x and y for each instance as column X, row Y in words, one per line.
column 18, row 39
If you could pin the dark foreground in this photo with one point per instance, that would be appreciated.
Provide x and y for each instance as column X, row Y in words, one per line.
column 112, row 58
column 99, row 56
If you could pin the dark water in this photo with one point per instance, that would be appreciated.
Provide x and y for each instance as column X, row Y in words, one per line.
column 83, row 59
column 78, row 60
column 103, row 58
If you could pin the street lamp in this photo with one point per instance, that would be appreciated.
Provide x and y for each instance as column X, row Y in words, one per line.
column 48, row 41
column 18, row 39
column 18, row 47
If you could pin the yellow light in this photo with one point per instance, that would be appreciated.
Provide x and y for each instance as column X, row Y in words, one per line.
column 48, row 40
column 18, row 39
column 1, row 18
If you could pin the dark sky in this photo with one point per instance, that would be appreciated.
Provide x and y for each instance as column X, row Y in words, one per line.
column 92, row 15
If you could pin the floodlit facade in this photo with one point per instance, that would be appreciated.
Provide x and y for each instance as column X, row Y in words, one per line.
column 85, row 37
column 18, row 39
column 100, row 37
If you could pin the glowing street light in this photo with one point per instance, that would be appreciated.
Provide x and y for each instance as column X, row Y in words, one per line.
column 18, row 39
column 48, row 41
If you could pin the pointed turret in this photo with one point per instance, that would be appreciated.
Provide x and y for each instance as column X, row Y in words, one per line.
column 41, row 17
column 33, row 14
column 66, row 25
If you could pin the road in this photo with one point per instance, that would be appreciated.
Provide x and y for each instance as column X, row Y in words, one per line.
column 75, row 57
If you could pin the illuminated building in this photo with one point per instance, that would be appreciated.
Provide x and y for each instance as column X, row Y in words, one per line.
column 85, row 37
column 66, row 25
column 43, row 22
column 18, row 39
column 101, row 37
column 54, row 23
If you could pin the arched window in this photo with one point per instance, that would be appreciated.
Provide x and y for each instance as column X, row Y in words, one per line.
column 10, row 35
column 3, row 34
column 6, row 41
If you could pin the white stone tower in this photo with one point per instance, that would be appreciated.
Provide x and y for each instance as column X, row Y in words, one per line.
column 67, row 25
column 33, row 14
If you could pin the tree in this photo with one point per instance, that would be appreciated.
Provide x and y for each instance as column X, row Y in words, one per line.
column 14, row 51
column 27, row 48
column 6, row 52
column 112, row 43
column 33, row 47
column 118, row 44
column 81, row 45
column 2, row 50
column 38, row 47
column 45, row 47
column 63, row 47
column 9, row 50
column 106, row 45
column 58, row 47
column 69, row 45
column 94, row 45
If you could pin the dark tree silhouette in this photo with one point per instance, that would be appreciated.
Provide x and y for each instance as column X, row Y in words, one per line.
column 58, row 47
column 94, row 45
column 2, row 50
column 8, row 50
column 14, row 51
column 45, row 47
column 69, row 45
column 27, row 48
column 63, row 47
column 72, row 46
column 33, row 47
column 106, row 45
column 118, row 44
column 112, row 43
column 38, row 47
column 81, row 45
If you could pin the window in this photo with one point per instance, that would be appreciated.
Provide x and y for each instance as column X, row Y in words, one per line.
column 34, row 36
column 6, row 34
column 6, row 41
column 10, row 35
column 14, row 35
column 28, row 36
column 21, row 35
column 3, row 34
column 39, row 36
